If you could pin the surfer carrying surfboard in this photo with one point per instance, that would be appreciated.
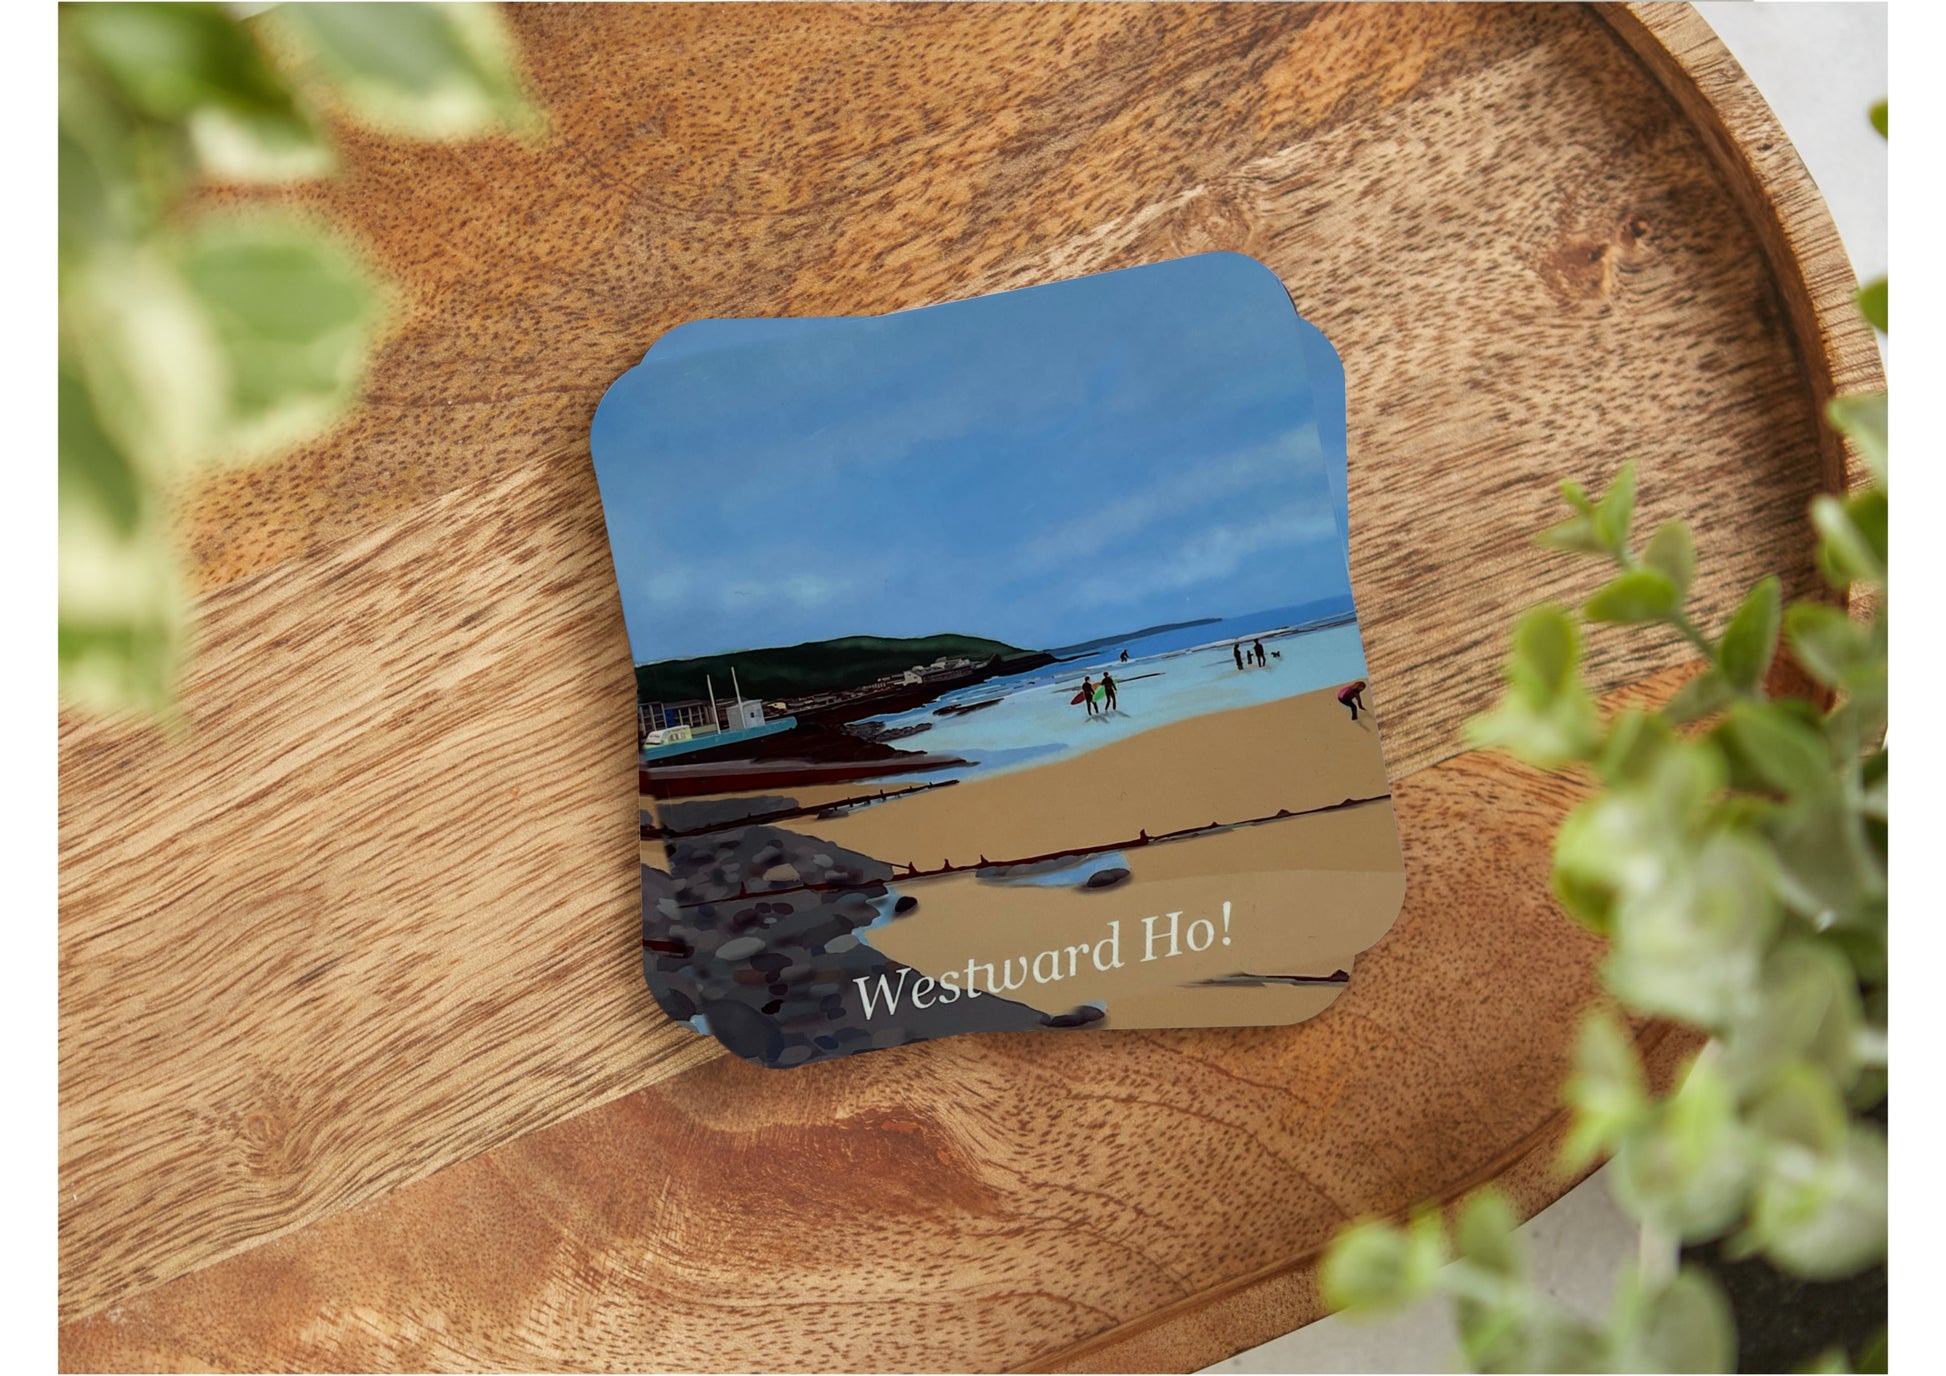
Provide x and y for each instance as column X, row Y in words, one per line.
column 1088, row 694
column 1108, row 689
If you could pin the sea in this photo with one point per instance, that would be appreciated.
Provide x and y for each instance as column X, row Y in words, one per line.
column 1169, row 676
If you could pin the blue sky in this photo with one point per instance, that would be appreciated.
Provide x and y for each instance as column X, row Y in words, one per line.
column 1040, row 466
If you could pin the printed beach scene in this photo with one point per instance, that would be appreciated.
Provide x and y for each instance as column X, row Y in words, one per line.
column 997, row 667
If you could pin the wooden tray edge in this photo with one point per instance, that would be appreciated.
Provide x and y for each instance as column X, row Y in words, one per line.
column 1206, row 1328
column 1835, row 346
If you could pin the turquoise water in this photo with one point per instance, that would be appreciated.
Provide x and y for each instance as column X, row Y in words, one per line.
column 1163, row 682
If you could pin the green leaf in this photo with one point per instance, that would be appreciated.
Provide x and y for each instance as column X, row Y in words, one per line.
column 1554, row 1344
column 1871, row 299
column 1493, row 1338
column 1750, row 640
column 121, row 614
column 1862, row 949
column 145, row 349
column 1873, row 778
column 121, row 666
column 1870, row 517
column 1790, row 756
column 1823, row 1215
column 170, row 60
column 1693, row 916
column 1576, row 535
column 1488, row 1234
column 1576, row 496
column 294, row 315
column 1878, row 119
column 1826, row 871
column 1547, row 717
column 1373, row 1267
column 1636, row 740
column 93, row 470
column 1641, row 594
column 102, row 196
column 1863, row 417
column 1615, row 511
column 1827, row 642
column 1606, row 1091
column 1806, row 1010
column 193, row 66
column 1853, row 531
column 1547, row 736
column 1830, row 1362
column 1586, row 900
column 1802, row 1107
column 1687, row 1172
column 1707, row 693
column 1592, row 840
column 1671, row 551
column 432, row 71
column 245, row 147
column 1686, row 1326
column 1545, row 654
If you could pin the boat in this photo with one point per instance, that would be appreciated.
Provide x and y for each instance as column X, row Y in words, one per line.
column 688, row 742
column 748, row 723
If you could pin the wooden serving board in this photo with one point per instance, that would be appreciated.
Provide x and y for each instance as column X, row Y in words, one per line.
column 357, row 1066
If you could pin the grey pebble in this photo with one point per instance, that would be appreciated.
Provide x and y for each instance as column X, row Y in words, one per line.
column 741, row 1028
column 738, row 947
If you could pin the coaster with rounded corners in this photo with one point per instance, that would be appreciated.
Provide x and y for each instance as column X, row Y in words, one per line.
column 997, row 666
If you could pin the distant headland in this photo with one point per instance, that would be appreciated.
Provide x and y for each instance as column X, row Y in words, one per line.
column 818, row 666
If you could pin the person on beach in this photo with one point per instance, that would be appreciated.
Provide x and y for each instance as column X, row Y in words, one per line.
column 1258, row 650
column 1352, row 695
column 1088, row 694
column 1108, row 688
column 1236, row 653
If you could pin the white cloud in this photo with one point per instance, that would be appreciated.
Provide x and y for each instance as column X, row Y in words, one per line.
column 666, row 587
column 1124, row 520
column 1211, row 555
column 805, row 591
column 736, row 585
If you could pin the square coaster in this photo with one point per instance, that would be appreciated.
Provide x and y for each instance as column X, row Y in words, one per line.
column 996, row 665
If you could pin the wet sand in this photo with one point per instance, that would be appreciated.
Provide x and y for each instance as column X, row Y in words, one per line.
column 1296, row 754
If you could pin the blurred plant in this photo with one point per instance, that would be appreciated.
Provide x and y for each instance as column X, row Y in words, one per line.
column 1734, row 855
column 193, row 337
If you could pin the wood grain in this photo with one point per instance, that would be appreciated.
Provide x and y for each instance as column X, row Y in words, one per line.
column 348, row 978
column 977, row 1202
column 1509, row 233
column 1779, row 201
column 368, row 916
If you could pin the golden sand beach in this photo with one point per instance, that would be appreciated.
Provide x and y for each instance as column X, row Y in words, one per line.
column 1306, row 893
column 1296, row 753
